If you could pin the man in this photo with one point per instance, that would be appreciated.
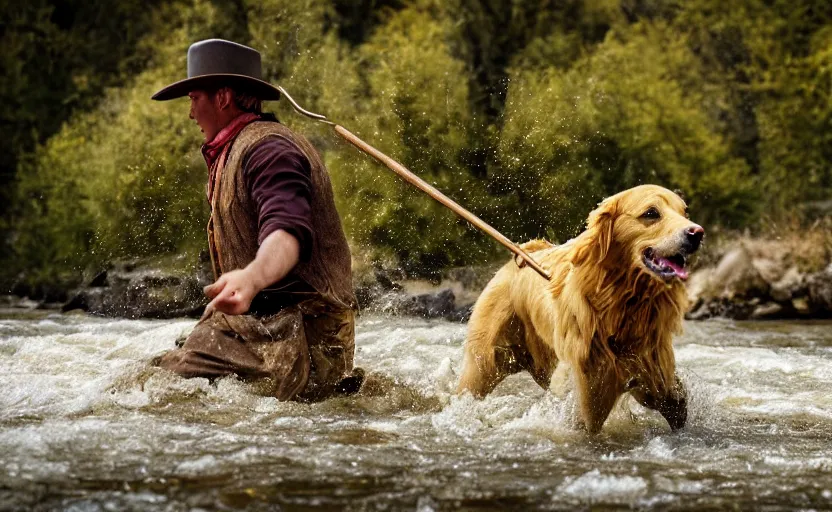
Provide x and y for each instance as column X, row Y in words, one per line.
column 282, row 308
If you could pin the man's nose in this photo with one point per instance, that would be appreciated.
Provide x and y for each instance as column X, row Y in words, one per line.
column 693, row 237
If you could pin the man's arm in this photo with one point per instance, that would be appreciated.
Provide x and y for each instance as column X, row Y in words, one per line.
column 278, row 178
column 233, row 292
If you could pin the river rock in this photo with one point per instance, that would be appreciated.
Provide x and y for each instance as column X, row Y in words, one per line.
column 428, row 305
column 15, row 302
column 736, row 276
column 371, row 287
column 436, row 304
column 763, row 279
column 699, row 285
column 733, row 288
column 801, row 305
column 766, row 311
column 390, row 292
column 791, row 284
column 52, row 291
column 129, row 290
column 820, row 290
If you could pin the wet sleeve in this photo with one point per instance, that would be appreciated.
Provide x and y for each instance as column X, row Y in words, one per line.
column 278, row 177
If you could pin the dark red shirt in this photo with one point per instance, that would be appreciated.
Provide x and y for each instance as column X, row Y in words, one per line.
column 278, row 176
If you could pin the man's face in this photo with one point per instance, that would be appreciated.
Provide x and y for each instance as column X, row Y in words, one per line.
column 206, row 111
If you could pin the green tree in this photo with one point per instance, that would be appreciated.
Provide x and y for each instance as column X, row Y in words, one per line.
column 624, row 115
column 58, row 58
column 123, row 179
column 415, row 108
column 527, row 113
column 768, row 61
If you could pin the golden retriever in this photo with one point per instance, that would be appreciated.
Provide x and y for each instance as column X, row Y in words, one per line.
column 615, row 299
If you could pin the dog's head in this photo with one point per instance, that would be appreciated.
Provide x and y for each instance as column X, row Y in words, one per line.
column 646, row 227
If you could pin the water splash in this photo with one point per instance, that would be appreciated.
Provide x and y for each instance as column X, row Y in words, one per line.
column 83, row 408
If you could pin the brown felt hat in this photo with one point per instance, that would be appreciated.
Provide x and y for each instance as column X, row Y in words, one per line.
column 218, row 63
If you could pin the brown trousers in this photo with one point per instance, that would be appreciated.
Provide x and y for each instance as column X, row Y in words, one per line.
column 299, row 353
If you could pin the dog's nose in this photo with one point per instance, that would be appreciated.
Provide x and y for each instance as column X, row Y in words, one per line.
column 693, row 237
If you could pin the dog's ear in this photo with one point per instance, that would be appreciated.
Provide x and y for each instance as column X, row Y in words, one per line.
column 599, row 233
column 604, row 223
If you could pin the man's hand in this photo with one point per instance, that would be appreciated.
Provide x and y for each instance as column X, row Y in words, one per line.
column 232, row 293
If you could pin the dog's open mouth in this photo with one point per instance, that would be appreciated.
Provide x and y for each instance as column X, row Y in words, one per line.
column 666, row 267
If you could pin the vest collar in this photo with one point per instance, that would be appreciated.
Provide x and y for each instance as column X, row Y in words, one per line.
column 212, row 150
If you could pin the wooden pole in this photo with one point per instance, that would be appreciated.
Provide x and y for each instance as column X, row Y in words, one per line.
column 422, row 185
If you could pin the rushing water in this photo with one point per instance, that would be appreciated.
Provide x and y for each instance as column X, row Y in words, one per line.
column 87, row 424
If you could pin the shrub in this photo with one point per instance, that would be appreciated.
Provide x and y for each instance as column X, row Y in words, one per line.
column 122, row 180
column 622, row 116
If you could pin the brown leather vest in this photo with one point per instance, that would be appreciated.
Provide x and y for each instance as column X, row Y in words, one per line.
column 233, row 228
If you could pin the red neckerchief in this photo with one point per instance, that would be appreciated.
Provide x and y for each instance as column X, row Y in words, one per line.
column 212, row 151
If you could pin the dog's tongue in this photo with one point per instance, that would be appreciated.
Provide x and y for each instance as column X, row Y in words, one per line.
column 681, row 272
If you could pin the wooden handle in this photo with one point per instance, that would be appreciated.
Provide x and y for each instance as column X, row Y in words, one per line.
column 439, row 196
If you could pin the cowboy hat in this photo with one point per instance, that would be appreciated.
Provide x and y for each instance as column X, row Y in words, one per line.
column 219, row 63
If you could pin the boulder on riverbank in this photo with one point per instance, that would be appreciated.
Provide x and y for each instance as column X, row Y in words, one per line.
column 740, row 278
column 391, row 291
column 788, row 277
column 133, row 289
column 136, row 289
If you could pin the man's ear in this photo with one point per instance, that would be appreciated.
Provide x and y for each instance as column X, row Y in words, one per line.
column 224, row 98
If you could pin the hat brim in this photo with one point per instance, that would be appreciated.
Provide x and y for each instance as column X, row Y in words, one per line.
column 263, row 90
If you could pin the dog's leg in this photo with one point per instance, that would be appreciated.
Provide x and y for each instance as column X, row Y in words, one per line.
column 488, row 356
column 598, row 391
column 479, row 373
column 673, row 405
column 482, row 371
column 536, row 357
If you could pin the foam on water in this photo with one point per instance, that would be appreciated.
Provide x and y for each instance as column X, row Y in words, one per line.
column 62, row 369
column 596, row 487
column 82, row 403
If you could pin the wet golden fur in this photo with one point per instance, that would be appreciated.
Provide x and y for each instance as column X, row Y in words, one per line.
column 603, row 312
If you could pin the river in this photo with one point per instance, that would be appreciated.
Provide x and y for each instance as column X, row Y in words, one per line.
column 86, row 424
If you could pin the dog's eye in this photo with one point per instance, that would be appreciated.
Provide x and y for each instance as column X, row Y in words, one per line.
column 651, row 213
